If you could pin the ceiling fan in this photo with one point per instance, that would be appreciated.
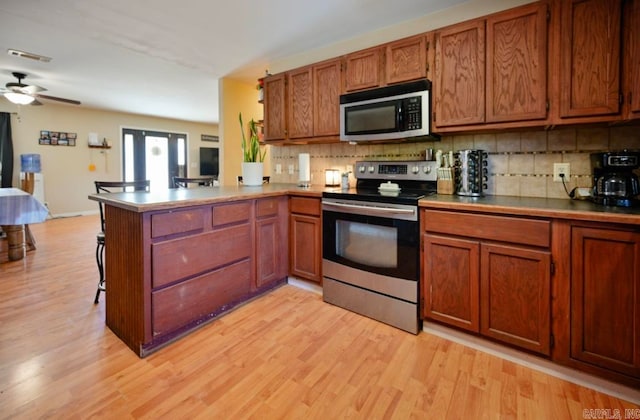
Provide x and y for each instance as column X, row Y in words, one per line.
column 23, row 94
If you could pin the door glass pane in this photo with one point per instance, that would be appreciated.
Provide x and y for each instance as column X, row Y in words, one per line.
column 372, row 245
column 157, row 162
column 128, row 157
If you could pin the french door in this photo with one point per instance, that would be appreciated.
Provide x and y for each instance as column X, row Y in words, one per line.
column 153, row 155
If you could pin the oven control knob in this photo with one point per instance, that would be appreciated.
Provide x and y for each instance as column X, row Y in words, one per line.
column 361, row 169
column 426, row 169
column 371, row 169
column 415, row 169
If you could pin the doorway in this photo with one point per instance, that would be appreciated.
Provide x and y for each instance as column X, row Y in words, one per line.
column 154, row 155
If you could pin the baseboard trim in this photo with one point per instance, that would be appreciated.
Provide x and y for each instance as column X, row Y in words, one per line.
column 305, row 284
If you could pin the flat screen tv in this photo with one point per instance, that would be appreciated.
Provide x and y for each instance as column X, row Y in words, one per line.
column 209, row 161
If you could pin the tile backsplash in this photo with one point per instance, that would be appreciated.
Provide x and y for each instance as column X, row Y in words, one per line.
column 519, row 163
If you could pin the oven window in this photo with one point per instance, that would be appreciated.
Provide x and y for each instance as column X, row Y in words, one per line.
column 371, row 245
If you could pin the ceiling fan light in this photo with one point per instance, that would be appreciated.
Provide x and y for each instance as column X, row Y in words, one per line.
column 19, row 98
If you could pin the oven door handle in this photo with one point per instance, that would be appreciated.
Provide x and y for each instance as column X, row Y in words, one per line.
column 371, row 209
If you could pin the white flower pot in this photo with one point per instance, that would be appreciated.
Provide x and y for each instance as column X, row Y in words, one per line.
column 252, row 173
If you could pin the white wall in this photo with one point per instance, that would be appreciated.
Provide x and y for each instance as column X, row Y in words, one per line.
column 67, row 178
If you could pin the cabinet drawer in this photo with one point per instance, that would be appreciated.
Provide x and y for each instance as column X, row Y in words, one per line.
column 184, row 257
column 178, row 221
column 305, row 205
column 225, row 214
column 488, row 227
column 267, row 207
column 196, row 298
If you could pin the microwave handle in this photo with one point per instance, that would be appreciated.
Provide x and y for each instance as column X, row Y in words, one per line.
column 399, row 119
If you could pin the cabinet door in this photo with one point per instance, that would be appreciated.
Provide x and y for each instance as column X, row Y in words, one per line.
column 516, row 86
column 605, row 298
column 406, row 59
column 300, row 104
column 272, row 252
column 451, row 279
column 590, row 58
column 305, row 247
column 275, row 121
column 327, row 87
column 632, row 55
column 460, row 75
column 515, row 296
column 363, row 69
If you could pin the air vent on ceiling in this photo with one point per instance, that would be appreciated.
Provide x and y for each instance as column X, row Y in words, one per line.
column 32, row 56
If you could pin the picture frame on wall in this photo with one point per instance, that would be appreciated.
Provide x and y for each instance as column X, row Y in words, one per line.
column 210, row 137
column 57, row 138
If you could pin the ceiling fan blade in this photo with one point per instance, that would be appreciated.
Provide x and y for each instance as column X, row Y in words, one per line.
column 32, row 89
column 53, row 98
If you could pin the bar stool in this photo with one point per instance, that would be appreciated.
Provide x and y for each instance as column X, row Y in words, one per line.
column 103, row 187
column 182, row 182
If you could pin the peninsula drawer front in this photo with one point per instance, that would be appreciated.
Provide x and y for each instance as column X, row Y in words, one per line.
column 184, row 257
column 267, row 207
column 178, row 221
column 305, row 205
column 487, row 227
column 189, row 301
column 226, row 214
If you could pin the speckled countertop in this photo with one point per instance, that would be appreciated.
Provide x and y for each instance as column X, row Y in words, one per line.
column 175, row 198
column 524, row 206
column 540, row 207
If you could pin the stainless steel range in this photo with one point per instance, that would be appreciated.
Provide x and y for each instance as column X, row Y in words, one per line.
column 371, row 241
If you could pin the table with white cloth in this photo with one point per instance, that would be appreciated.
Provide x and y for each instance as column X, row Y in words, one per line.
column 17, row 209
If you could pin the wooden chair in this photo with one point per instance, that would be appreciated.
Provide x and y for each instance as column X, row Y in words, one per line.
column 103, row 187
column 182, row 182
column 265, row 179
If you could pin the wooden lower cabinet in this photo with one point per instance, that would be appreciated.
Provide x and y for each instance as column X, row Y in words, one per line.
column 515, row 296
column 494, row 287
column 451, row 279
column 305, row 241
column 271, row 240
column 605, row 298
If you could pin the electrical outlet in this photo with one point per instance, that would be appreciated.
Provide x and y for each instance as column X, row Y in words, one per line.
column 561, row 168
column 278, row 168
column 291, row 169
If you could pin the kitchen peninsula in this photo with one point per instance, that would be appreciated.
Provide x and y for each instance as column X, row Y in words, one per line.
column 178, row 258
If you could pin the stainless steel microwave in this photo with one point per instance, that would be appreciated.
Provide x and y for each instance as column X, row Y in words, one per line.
column 397, row 112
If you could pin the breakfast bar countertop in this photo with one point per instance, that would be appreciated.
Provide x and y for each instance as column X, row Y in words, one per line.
column 171, row 198
column 538, row 207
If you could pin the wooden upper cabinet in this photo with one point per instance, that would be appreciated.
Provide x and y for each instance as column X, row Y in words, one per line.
column 300, row 104
column 590, row 35
column 406, row 59
column 275, row 120
column 516, row 85
column 327, row 87
column 364, row 69
column 632, row 56
column 460, row 74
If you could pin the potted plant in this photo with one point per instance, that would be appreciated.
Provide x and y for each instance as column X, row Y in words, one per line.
column 253, row 156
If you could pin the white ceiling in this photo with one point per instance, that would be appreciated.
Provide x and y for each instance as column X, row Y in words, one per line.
column 164, row 57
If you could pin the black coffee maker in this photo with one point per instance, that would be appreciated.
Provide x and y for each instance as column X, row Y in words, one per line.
column 614, row 180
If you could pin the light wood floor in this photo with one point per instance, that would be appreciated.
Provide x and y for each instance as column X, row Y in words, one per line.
column 285, row 355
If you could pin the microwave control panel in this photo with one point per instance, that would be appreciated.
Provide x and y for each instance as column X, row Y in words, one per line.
column 413, row 113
